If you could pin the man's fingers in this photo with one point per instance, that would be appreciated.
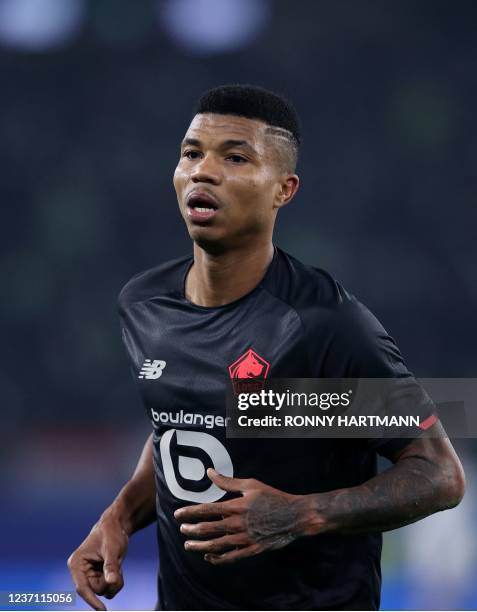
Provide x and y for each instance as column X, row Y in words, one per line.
column 218, row 545
column 232, row 556
column 95, row 565
column 100, row 586
column 92, row 576
column 111, row 589
column 212, row 510
column 112, row 572
column 226, row 483
column 200, row 511
column 232, row 524
column 85, row 591
column 91, row 599
column 112, row 575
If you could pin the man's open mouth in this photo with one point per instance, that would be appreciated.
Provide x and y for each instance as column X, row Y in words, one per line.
column 201, row 206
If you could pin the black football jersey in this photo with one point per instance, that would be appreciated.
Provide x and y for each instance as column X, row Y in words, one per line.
column 297, row 322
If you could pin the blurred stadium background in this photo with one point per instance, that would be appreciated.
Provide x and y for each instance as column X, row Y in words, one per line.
column 95, row 96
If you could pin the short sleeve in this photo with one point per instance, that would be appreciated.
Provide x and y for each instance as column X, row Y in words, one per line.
column 360, row 347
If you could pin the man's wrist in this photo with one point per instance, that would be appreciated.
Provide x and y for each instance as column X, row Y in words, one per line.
column 312, row 519
column 118, row 513
column 134, row 508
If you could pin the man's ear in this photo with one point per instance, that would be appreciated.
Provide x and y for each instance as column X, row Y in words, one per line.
column 288, row 188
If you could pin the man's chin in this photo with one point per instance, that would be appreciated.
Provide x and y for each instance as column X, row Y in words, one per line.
column 209, row 240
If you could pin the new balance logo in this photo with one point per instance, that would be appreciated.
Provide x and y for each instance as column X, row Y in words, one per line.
column 151, row 370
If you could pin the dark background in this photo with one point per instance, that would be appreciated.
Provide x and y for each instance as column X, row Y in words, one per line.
column 94, row 100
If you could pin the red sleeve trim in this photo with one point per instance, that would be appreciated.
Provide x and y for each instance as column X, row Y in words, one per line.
column 426, row 423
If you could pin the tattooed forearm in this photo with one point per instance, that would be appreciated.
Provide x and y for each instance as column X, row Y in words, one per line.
column 397, row 497
column 412, row 489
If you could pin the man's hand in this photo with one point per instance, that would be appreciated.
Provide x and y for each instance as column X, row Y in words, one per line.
column 261, row 519
column 95, row 565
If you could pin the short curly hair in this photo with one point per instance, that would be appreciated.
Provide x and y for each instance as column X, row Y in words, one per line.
column 255, row 102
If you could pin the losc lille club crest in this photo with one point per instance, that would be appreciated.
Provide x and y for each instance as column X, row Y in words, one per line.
column 249, row 371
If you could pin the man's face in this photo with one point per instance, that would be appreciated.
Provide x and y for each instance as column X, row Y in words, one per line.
column 228, row 181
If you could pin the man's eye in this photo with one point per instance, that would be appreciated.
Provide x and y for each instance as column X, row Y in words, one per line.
column 191, row 154
column 237, row 159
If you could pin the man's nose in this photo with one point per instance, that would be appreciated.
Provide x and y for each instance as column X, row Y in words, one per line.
column 206, row 171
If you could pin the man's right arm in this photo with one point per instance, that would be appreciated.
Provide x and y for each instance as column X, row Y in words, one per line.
column 95, row 565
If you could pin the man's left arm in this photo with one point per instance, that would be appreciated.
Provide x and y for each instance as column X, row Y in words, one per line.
column 426, row 477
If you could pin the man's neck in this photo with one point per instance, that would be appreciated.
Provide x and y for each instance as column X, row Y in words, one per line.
column 216, row 280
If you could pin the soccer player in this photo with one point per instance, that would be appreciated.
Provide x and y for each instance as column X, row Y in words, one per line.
column 286, row 524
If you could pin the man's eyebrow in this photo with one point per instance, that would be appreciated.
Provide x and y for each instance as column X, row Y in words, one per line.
column 230, row 143
column 226, row 144
column 193, row 142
